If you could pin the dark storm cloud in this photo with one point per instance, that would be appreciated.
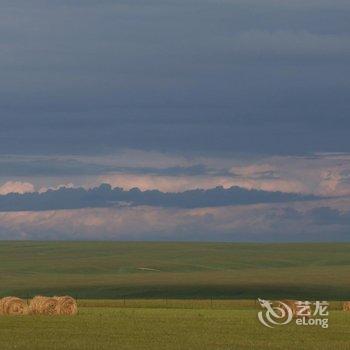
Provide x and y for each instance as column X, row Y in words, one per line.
column 320, row 215
column 254, row 76
column 19, row 167
column 105, row 196
column 11, row 166
column 330, row 216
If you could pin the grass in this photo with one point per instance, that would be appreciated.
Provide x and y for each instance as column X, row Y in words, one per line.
column 173, row 295
column 175, row 270
column 183, row 327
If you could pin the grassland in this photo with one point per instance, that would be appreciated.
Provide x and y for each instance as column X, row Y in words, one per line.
column 184, row 325
column 183, row 296
column 175, row 270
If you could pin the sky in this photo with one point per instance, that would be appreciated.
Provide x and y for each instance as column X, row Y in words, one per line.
column 246, row 102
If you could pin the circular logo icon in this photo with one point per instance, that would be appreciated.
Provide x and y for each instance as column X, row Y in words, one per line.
column 274, row 315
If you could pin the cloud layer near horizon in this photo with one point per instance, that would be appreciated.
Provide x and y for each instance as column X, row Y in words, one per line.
column 318, row 174
column 300, row 221
column 106, row 196
column 173, row 217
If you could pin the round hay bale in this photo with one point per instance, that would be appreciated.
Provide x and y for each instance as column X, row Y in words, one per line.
column 40, row 305
column 67, row 305
column 13, row 306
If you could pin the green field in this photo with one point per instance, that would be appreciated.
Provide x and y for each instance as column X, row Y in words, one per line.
column 183, row 325
column 183, row 296
column 175, row 270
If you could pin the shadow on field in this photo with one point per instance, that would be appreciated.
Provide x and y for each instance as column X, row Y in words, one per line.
column 246, row 291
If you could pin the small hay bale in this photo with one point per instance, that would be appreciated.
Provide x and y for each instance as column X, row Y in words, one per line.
column 41, row 305
column 346, row 306
column 13, row 306
column 67, row 305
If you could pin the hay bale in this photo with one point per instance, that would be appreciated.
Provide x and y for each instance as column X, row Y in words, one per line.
column 13, row 306
column 67, row 305
column 40, row 305
column 346, row 306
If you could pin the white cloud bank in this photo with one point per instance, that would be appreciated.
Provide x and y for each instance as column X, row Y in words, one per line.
column 265, row 222
column 16, row 187
column 319, row 174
